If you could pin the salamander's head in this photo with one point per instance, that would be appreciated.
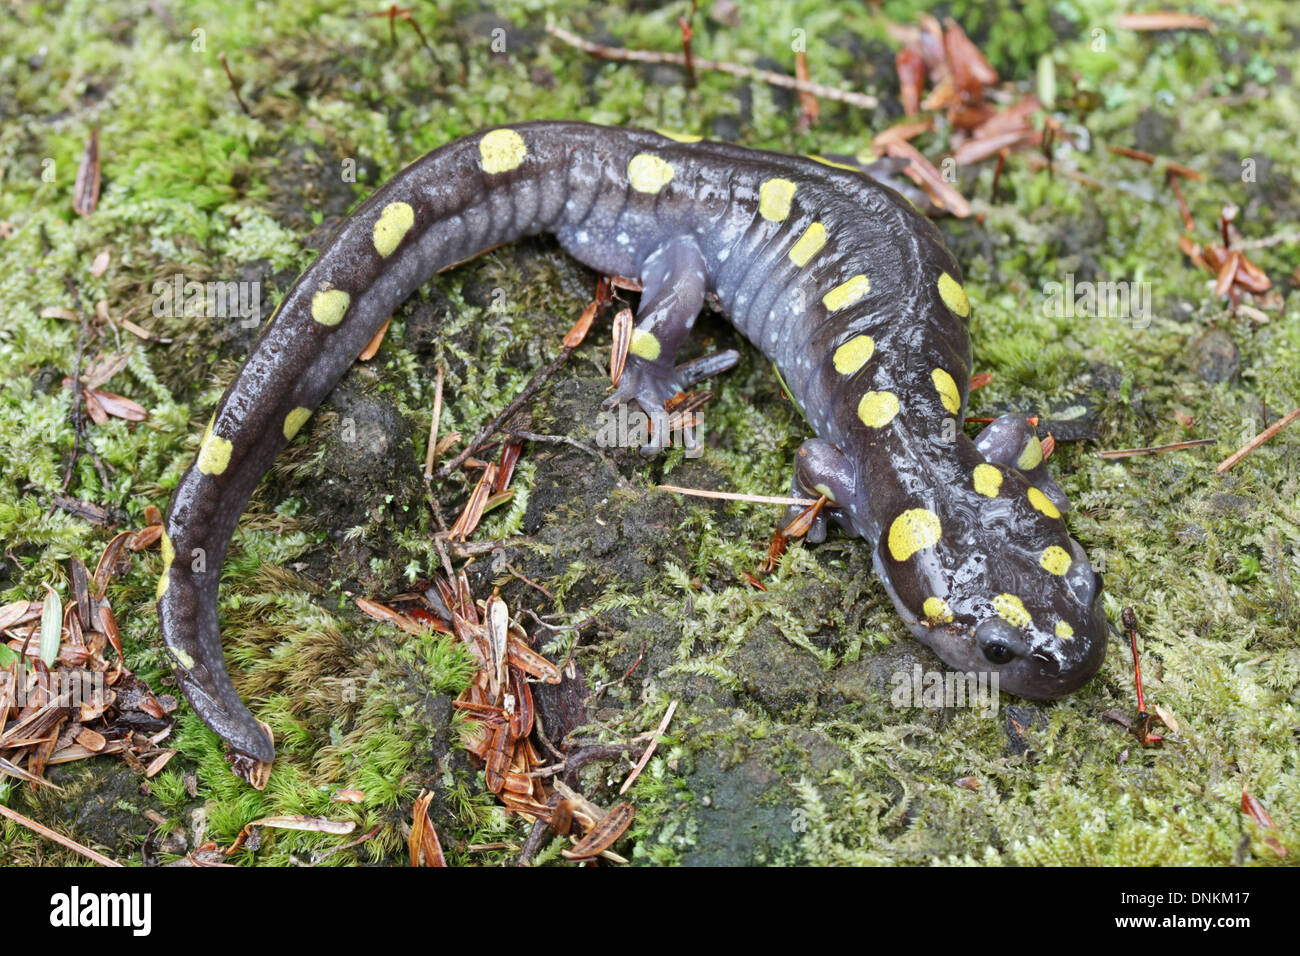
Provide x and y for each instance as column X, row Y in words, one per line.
column 991, row 581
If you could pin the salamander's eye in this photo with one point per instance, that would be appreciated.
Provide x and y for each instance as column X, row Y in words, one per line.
column 998, row 653
column 999, row 641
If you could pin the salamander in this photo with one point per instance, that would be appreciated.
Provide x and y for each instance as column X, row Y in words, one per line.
column 836, row 278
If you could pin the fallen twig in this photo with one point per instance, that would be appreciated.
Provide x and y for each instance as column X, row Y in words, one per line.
column 1155, row 449
column 735, row 69
column 733, row 496
column 649, row 751
column 1255, row 442
column 57, row 837
column 517, row 403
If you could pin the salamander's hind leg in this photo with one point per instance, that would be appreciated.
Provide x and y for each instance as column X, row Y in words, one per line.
column 673, row 286
column 1010, row 441
column 821, row 469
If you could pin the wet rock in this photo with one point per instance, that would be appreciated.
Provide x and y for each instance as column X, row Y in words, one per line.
column 750, row 816
column 1214, row 357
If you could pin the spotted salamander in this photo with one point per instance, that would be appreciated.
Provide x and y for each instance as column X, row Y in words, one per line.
column 840, row 281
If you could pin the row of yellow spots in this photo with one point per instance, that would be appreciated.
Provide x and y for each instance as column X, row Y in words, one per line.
column 877, row 409
column 213, row 459
column 500, row 151
column 1009, row 607
column 919, row 528
column 988, row 482
column 330, row 305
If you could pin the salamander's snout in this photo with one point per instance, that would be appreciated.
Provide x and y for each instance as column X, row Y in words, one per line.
column 1067, row 665
column 1038, row 622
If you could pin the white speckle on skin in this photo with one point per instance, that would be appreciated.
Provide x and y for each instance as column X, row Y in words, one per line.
column 623, row 239
column 722, row 256
column 584, row 237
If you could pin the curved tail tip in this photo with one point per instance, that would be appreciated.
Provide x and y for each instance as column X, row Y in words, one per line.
column 227, row 716
column 259, row 747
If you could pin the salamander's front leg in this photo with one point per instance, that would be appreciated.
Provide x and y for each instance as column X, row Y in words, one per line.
column 673, row 286
column 1010, row 440
column 821, row 469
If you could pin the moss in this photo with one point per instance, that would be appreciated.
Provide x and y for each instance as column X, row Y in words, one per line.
column 785, row 746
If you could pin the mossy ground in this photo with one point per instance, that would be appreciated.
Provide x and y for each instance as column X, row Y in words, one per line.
column 785, row 747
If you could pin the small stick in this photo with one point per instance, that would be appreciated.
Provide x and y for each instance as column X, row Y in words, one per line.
column 861, row 100
column 732, row 496
column 1155, row 449
column 1188, row 222
column 1255, row 442
column 519, row 401
column 432, row 455
column 687, row 33
column 1175, row 169
column 233, row 84
column 1142, row 727
column 56, row 837
column 649, row 751
column 573, row 442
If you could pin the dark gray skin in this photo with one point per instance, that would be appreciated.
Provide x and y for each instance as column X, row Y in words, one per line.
column 787, row 247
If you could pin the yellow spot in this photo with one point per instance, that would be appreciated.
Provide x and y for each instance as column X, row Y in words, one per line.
column 947, row 390
column 822, row 489
column 774, row 198
column 1012, row 610
column 877, row 409
column 392, row 226
column 295, row 420
column 214, row 455
column 853, row 354
column 679, row 137
column 809, row 244
column 1055, row 559
column 1032, row 456
column 328, row 306
column 185, row 660
column 1043, row 503
column 953, row 295
column 501, row 151
column 168, row 556
column 648, row 173
column 936, row 609
column 830, row 162
column 987, row 480
column 846, row 293
column 913, row 531
column 644, row 345
column 1064, row 631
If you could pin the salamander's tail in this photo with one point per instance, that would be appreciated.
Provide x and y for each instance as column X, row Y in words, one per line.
column 454, row 203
